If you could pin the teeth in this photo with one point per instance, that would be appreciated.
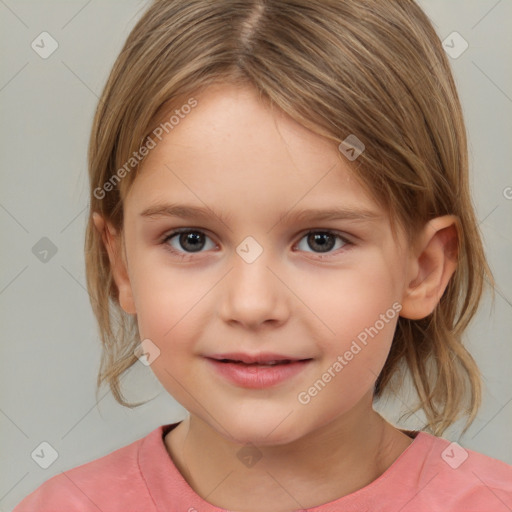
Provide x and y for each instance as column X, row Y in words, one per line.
column 267, row 363
column 263, row 363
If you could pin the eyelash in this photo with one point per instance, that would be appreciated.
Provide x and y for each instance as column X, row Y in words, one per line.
column 189, row 256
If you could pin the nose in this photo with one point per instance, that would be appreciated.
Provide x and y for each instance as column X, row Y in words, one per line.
column 254, row 294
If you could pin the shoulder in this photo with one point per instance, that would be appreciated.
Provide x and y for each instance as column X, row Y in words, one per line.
column 112, row 483
column 456, row 478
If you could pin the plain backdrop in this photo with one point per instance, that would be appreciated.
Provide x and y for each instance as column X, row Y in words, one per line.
column 50, row 346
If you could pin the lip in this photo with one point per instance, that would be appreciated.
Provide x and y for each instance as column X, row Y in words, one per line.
column 252, row 374
column 262, row 357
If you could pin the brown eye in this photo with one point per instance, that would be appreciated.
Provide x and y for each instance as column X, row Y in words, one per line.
column 186, row 241
column 192, row 241
column 323, row 241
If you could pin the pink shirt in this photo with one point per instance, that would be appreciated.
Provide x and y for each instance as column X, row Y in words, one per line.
column 431, row 475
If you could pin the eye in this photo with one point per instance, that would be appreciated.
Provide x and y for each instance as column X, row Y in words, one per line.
column 191, row 240
column 324, row 241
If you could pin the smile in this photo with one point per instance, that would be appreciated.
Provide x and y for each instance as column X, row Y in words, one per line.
column 260, row 374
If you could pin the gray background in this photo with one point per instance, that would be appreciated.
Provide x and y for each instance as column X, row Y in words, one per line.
column 50, row 348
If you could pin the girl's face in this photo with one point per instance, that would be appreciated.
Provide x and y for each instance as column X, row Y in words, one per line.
column 244, row 279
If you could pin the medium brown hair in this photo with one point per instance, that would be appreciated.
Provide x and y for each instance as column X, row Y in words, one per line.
column 373, row 69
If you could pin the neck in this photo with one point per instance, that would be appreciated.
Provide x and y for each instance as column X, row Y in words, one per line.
column 326, row 464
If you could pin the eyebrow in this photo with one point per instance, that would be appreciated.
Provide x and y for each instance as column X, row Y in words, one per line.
column 314, row 214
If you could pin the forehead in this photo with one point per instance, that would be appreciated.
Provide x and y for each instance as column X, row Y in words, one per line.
column 233, row 147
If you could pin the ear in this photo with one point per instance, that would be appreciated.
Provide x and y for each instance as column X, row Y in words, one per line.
column 113, row 243
column 432, row 263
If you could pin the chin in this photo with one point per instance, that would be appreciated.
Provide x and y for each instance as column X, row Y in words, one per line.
column 264, row 430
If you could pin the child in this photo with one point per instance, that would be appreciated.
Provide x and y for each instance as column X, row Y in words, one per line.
column 265, row 129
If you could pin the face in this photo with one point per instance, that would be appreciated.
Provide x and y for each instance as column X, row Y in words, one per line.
column 258, row 278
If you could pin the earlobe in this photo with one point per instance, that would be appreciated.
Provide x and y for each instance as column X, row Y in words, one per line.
column 431, row 267
column 112, row 241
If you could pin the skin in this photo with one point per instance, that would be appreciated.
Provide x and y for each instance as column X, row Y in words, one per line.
column 235, row 156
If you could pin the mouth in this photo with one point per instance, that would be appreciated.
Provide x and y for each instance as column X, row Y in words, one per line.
column 257, row 359
column 263, row 363
column 258, row 370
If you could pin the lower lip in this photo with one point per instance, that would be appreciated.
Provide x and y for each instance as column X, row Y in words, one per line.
column 255, row 376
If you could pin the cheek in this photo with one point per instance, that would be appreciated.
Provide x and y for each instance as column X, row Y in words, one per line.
column 361, row 310
column 173, row 309
column 171, row 312
column 347, row 302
